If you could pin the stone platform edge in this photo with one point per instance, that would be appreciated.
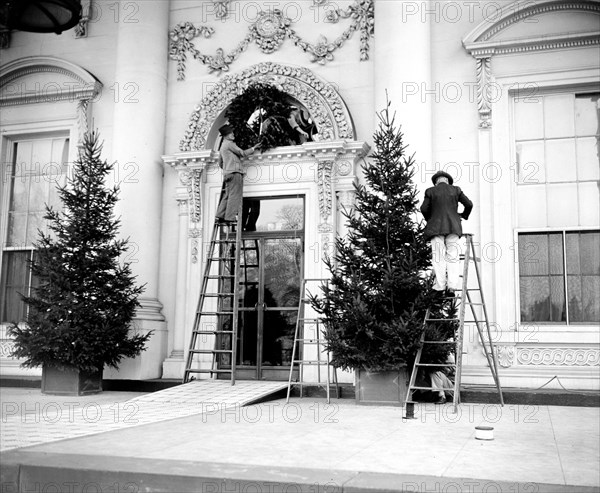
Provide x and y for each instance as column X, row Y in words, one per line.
column 26, row 471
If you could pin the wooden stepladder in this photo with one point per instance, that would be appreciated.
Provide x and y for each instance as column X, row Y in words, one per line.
column 467, row 296
column 310, row 333
column 218, row 317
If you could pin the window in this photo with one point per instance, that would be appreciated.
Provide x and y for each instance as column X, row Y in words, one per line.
column 557, row 143
column 560, row 276
column 557, row 140
column 35, row 168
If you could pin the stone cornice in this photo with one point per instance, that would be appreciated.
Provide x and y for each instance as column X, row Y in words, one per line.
column 330, row 150
column 541, row 43
column 81, row 85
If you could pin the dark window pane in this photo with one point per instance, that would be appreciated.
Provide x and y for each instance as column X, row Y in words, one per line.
column 583, row 267
column 283, row 268
column 279, row 214
column 15, row 280
column 542, row 291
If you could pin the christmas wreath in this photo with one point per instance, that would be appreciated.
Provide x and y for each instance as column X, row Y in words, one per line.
column 260, row 115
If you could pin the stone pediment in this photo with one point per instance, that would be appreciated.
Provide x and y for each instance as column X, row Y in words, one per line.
column 536, row 26
column 45, row 79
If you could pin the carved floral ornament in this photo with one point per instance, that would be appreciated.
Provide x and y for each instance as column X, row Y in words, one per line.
column 480, row 43
column 320, row 98
column 269, row 31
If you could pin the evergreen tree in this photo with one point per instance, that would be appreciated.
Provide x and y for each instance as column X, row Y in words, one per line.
column 375, row 301
column 83, row 298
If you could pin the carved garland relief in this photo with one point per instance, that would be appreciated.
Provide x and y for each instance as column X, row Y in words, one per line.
column 269, row 31
column 319, row 98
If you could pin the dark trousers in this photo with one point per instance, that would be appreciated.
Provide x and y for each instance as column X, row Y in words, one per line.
column 231, row 197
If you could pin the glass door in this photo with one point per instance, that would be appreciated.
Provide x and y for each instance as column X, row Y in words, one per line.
column 272, row 269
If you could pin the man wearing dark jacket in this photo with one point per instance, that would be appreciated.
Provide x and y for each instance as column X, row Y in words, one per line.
column 443, row 230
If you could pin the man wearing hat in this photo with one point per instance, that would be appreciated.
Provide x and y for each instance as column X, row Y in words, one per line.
column 230, row 156
column 443, row 230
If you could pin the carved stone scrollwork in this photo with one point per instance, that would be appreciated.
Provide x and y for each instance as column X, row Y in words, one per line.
column 558, row 356
column 195, row 234
column 81, row 29
column 221, row 8
column 192, row 179
column 506, row 355
column 82, row 120
column 484, row 74
column 6, row 348
column 325, row 190
column 182, row 204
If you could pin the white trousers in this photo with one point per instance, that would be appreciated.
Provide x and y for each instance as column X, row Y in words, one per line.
column 445, row 252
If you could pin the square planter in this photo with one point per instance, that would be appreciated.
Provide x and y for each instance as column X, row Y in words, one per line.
column 70, row 381
column 387, row 388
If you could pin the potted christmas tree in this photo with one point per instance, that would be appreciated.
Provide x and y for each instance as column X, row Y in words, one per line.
column 375, row 302
column 83, row 298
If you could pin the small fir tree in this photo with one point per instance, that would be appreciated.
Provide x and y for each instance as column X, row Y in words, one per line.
column 83, row 299
column 375, row 301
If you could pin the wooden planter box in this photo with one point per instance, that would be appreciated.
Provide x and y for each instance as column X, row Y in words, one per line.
column 70, row 381
column 386, row 388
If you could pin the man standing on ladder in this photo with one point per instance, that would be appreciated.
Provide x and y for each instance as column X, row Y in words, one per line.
column 230, row 156
column 443, row 230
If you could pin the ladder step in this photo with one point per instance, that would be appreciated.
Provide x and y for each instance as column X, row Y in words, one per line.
column 311, row 341
column 449, row 365
column 214, row 314
column 442, row 319
column 216, row 295
column 210, row 351
column 431, row 388
column 207, row 371
column 220, row 276
column 311, row 362
column 213, row 332
column 439, row 342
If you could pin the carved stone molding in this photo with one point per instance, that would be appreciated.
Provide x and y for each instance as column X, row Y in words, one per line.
column 81, row 29
column 558, row 356
column 82, row 119
column 506, row 355
column 192, row 179
column 6, row 348
column 484, row 74
column 320, row 98
column 324, row 169
column 182, row 204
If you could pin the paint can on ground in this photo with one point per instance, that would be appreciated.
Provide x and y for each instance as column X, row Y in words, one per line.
column 484, row 432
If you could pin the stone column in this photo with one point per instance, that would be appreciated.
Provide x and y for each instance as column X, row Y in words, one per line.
column 137, row 145
column 403, row 68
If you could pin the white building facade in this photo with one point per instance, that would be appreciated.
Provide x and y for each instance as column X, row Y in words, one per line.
column 503, row 96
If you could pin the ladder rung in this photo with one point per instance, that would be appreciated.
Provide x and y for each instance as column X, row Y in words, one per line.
column 210, row 351
column 439, row 342
column 311, row 341
column 220, row 276
column 431, row 388
column 216, row 295
column 207, row 371
column 311, row 362
column 310, row 320
column 450, row 365
column 213, row 331
column 214, row 314
column 442, row 319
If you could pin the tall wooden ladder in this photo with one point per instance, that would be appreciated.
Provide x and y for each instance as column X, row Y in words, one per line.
column 219, row 318
column 310, row 332
column 473, row 297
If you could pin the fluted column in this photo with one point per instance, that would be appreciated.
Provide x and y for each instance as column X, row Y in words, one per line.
column 403, row 69
column 139, row 127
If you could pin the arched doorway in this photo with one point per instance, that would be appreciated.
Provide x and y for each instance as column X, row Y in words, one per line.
column 309, row 181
